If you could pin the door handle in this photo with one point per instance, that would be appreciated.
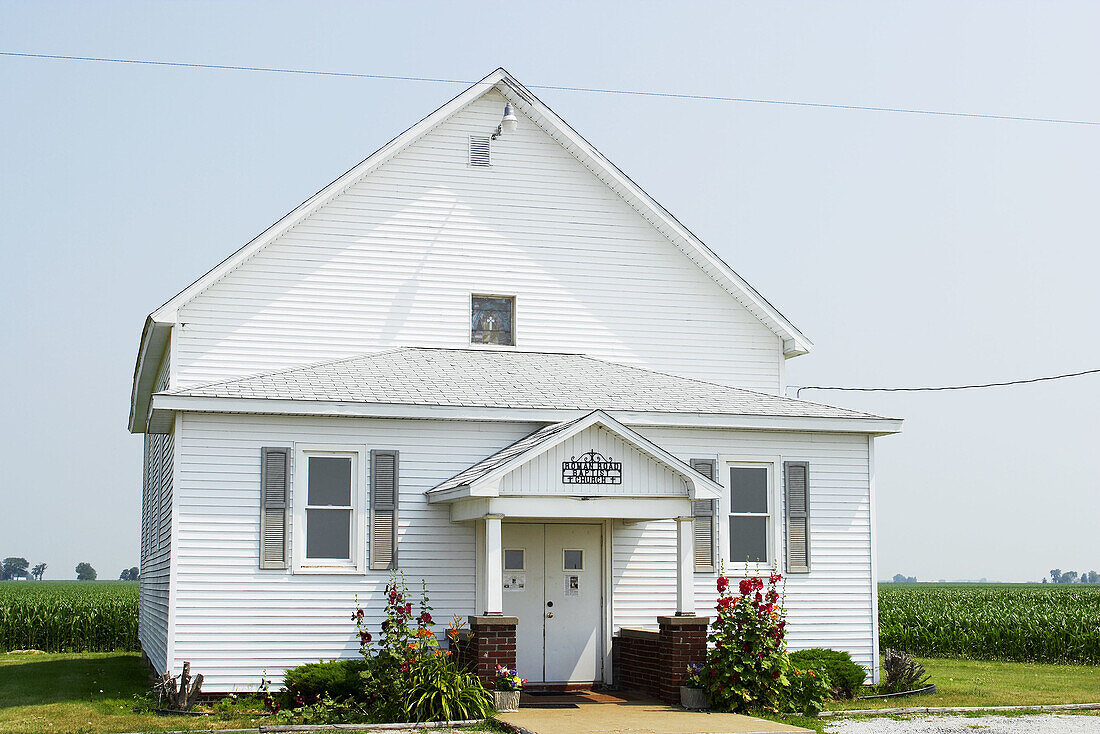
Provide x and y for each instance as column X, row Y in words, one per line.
column 549, row 615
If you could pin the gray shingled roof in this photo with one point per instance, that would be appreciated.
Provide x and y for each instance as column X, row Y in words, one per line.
column 483, row 467
column 476, row 378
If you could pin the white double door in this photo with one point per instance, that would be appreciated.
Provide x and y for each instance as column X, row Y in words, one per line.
column 553, row 582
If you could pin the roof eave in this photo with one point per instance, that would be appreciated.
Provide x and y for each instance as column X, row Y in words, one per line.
column 155, row 336
column 164, row 405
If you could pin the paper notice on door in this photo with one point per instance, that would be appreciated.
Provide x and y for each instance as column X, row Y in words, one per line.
column 514, row 582
column 573, row 585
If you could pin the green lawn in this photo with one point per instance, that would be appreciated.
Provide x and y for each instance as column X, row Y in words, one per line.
column 984, row 683
column 86, row 692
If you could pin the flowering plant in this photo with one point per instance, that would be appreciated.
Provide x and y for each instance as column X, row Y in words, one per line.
column 697, row 675
column 747, row 662
column 509, row 680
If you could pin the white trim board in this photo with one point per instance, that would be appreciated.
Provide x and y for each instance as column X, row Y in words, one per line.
column 164, row 405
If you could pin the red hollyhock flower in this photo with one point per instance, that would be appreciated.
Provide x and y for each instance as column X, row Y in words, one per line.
column 775, row 675
column 775, row 578
column 745, row 587
column 365, row 637
column 758, row 598
column 723, row 583
column 425, row 618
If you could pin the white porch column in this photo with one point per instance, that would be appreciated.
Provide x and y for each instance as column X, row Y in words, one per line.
column 685, row 566
column 492, row 578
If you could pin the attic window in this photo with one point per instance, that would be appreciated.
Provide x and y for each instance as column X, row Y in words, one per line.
column 480, row 150
column 491, row 319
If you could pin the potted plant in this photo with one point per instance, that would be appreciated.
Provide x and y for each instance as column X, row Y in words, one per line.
column 508, row 686
column 692, row 693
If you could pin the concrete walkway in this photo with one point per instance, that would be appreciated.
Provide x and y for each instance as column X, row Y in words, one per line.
column 597, row 713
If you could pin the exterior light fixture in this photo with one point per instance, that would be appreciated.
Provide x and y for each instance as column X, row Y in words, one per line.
column 509, row 123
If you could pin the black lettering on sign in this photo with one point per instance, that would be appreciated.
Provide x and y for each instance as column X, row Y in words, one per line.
column 591, row 468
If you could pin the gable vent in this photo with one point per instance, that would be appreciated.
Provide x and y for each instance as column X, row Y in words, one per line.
column 479, row 150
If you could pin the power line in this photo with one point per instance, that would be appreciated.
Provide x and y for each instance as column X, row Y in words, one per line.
column 560, row 88
column 948, row 387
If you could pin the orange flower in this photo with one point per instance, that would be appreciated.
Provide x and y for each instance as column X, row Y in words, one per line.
column 412, row 646
column 447, row 653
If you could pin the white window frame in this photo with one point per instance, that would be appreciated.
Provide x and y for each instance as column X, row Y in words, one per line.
column 300, row 494
column 470, row 324
column 773, row 465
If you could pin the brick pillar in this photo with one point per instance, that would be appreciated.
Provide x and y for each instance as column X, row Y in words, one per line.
column 681, row 642
column 493, row 643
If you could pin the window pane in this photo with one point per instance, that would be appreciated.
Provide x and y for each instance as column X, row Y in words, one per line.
column 328, row 534
column 574, row 560
column 329, row 481
column 748, row 539
column 748, row 489
column 513, row 559
column 491, row 320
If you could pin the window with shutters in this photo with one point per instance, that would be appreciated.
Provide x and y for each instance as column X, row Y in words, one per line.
column 328, row 495
column 750, row 506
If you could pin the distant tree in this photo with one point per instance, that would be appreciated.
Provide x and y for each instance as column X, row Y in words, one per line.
column 1094, row 578
column 13, row 568
column 85, row 572
column 134, row 573
column 900, row 578
column 129, row 574
column 1056, row 575
column 1084, row 577
column 1044, row 579
column 38, row 571
column 1069, row 577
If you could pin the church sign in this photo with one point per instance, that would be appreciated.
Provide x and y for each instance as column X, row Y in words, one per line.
column 591, row 468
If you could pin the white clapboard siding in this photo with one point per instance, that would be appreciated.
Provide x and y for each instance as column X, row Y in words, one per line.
column 543, row 474
column 393, row 260
column 829, row 607
column 233, row 621
column 156, row 539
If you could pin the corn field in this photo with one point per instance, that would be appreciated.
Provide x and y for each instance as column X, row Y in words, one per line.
column 1049, row 623
column 68, row 616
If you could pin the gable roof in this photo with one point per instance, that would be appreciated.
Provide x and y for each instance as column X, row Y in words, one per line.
column 485, row 378
column 479, row 479
column 794, row 342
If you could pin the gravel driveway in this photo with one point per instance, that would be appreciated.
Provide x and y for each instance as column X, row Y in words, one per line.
column 1028, row 724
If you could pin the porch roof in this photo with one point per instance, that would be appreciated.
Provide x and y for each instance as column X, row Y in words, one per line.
column 484, row 479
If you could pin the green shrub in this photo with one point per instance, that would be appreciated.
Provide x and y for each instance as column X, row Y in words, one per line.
column 437, row 690
column 335, row 679
column 845, row 676
column 807, row 691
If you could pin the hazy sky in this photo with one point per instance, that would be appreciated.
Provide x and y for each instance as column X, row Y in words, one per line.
column 913, row 250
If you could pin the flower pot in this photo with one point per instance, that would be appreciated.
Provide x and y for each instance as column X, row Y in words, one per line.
column 505, row 701
column 693, row 698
